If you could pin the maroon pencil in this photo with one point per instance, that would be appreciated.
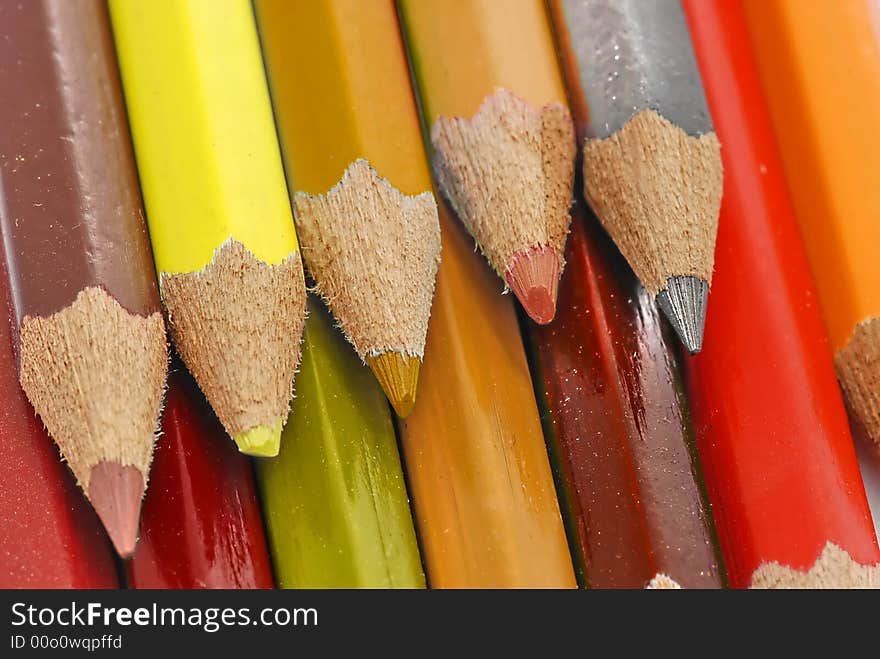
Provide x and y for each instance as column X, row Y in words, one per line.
column 89, row 330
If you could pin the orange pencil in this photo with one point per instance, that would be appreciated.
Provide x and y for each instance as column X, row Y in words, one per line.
column 476, row 462
column 503, row 140
column 820, row 68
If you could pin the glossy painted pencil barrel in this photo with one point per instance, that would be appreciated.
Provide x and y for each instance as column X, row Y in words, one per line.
column 820, row 68
column 771, row 428
column 230, row 272
column 631, row 55
column 336, row 504
column 618, row 422
column 335, row 500
column 89, row 329
column 476, row 463
column 201, row 525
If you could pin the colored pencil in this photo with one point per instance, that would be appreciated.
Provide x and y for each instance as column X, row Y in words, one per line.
column 504, row 149
column 89, row 329
column 230, row 273
column 772, row 430
column 49, row 537
column 335, row 500
column 652, row 167
column 618, row 422
column 476, row 462
column 201, row 526
column 353, row 155
column 820, row 68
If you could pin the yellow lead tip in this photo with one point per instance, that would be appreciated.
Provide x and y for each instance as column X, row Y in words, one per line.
column 399, row 376
column 260, row 441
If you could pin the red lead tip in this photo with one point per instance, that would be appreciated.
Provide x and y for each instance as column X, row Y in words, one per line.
column 116, row 492
column 534, row 278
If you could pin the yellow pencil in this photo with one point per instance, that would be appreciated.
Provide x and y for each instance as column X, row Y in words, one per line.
column 230, row 273
column 357, row 169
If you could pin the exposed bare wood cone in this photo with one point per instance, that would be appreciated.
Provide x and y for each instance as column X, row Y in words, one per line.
column 508, row 172
column 663, row 582
column 834, row 568
column 657, row 191
column 374, row 252
column 237, row 324
column 858, row 369
column 95, row 374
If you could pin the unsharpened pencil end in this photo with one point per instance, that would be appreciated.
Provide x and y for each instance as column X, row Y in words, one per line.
column 684, row 303
column 116, row 492
column 399, row 376
column 534, row 279
column 260, row 441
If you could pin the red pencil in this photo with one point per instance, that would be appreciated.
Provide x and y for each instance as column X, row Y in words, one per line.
column 49, row 536
column 771, row 427
column 201, row 525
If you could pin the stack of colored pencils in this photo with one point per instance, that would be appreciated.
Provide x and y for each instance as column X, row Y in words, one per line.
column 255, row 257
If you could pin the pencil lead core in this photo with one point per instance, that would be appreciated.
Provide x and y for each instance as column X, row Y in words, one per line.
column 534, row 278
column 684, row 303
column 115, row 492
column 399, row 376
column 260, row 441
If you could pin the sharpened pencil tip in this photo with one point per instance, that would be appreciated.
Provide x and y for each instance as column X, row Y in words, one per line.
column 399, row 376
column 684, row 303
column 260, row 441
column 116, row 492
column 534, row 279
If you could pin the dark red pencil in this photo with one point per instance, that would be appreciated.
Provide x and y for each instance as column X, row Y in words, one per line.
column 201, row 525
column 618, row 425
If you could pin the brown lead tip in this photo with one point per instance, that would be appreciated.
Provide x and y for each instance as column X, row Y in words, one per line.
column 858, row 369
column 534, row 278
column 116, row 492
column 508, row 173
column 399, row 376
column 373, row 252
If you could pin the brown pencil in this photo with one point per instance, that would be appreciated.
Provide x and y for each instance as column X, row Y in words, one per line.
column 91, row 340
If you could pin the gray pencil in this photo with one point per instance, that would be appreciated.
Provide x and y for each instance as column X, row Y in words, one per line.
column 652, row 162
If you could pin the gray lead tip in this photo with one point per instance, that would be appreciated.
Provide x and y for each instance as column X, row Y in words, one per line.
column 684, row 303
